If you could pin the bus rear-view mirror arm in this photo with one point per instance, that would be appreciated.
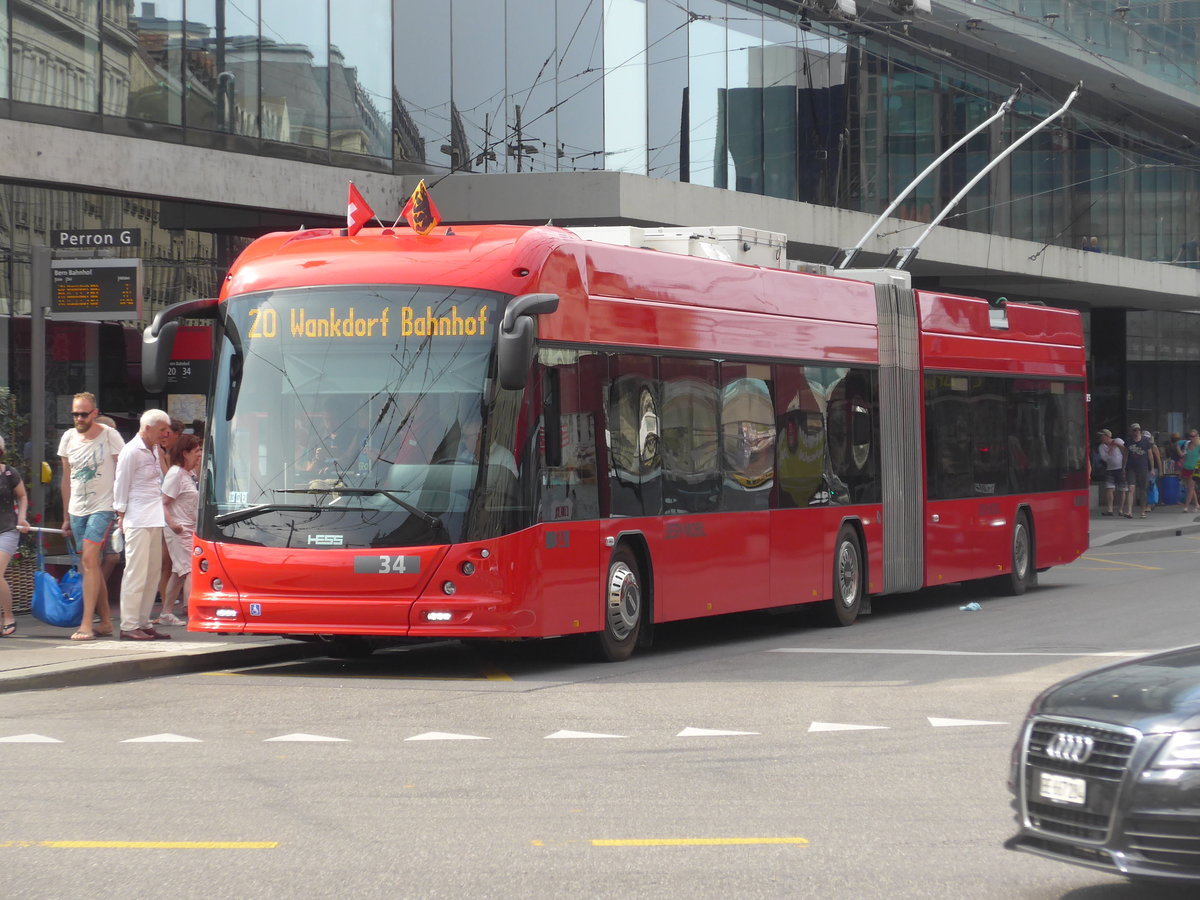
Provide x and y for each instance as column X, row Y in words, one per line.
column 158, row 339
column 514, row 343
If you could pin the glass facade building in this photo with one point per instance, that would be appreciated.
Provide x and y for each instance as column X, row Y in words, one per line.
column 774, row 98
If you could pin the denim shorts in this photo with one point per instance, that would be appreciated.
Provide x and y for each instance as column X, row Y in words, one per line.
column 9, row 540
column 94, row 528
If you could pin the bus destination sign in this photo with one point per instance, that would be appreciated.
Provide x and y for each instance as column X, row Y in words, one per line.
column 96, row 289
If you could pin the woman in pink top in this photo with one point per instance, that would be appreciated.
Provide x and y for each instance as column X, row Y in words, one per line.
column 180, row 498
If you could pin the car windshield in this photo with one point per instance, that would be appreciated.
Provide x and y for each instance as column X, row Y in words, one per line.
column 355, row 417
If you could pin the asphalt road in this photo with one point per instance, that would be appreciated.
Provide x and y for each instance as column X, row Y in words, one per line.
column 752, row 756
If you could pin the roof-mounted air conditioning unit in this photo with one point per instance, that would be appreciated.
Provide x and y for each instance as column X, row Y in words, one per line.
column 910, row 6
column 846, row 8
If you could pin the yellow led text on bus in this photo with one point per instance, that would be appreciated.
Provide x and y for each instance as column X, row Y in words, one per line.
column 430, row 325
column 264, row 323
column 336, row 325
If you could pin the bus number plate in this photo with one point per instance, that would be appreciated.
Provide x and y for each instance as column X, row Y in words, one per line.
column 386, row 564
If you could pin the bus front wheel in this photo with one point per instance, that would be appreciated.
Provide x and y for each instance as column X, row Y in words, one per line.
column 623, row 608
column 1023, row 575
column 849, row 580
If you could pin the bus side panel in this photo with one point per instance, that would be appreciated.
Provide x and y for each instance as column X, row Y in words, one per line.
column 973, row 537
column 571, row 562
column 540, row 582
column 704, row 565
column 798, row 556
column 1060, row 527
column 872, row 525
column 954, row 529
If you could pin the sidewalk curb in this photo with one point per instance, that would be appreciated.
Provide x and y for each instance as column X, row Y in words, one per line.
column 1148, row 534
column 75, row 674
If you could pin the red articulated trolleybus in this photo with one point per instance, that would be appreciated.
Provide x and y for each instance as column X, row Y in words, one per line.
column 517, row 432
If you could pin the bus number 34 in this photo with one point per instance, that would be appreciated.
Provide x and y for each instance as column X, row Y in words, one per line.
column 387, row 565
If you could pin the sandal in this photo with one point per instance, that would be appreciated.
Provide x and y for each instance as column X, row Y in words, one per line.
column 80, row 636
column 101, row 633
column 8, row 630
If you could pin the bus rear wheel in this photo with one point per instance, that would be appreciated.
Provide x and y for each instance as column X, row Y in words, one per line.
column 1023, row 575
column 849, row 580
column 623, row 608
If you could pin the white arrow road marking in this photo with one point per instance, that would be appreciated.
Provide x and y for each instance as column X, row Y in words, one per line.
column 951, row 723
column 304, row 737
column 837, row 726
column 581, row 734
column 29, row 739
column 162, row 739
column 710, row 732
column 445, row 736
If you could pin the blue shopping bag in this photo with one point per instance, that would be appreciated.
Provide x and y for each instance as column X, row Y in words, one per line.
column 57, row 602
column 1152, row 493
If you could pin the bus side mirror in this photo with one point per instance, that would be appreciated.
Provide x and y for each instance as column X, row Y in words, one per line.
column 156, row 355
column 514, row 341
column 158, row 339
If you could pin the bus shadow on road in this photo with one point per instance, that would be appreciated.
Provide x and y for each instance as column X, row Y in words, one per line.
column 569, row 658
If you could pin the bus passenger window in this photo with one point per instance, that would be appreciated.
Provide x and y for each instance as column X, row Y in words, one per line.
column 747, row 440
column 635, row 466
column 568, row 482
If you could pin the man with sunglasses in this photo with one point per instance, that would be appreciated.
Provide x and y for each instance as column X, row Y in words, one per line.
column 89, row 457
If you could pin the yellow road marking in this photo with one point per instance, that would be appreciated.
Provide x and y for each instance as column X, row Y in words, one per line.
column 490, row 672
column 1102, row 569
column 343, row 675
column 146, row 845
column 1117, row 562
column 697, row 842
column 1149, row 552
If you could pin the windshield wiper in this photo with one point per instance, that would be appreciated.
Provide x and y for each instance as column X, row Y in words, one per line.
column 250, row 512
column 428, row 518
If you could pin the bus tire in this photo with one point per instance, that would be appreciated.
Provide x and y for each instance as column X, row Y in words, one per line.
column 1023, row 575
column 624, row 606
column 849, row 580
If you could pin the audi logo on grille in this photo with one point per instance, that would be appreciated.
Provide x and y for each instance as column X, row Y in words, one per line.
column 1070, row 748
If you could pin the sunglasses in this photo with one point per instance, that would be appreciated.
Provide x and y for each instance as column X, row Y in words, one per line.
column 76, row 415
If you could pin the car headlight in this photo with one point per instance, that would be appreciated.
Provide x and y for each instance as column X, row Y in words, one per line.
column 1181, row 751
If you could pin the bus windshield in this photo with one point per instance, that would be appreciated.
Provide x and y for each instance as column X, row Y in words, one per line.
column 355, row 416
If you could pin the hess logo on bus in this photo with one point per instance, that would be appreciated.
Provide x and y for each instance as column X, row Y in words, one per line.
column 325, row 540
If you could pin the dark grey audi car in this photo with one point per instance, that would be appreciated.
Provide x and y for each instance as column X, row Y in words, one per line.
column 1106, row 772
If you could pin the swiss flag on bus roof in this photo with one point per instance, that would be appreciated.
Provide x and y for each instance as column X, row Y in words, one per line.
column 358, row 212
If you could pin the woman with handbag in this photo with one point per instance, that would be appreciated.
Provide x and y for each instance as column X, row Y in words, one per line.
column 14, row 503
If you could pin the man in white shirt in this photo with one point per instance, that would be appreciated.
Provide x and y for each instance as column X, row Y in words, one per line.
column 137, row 498
column 89, row 460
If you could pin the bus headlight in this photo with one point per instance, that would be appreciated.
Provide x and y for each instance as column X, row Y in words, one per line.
column 448, row 587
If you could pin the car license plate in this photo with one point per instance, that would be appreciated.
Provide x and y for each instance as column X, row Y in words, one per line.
column 1062, row 789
